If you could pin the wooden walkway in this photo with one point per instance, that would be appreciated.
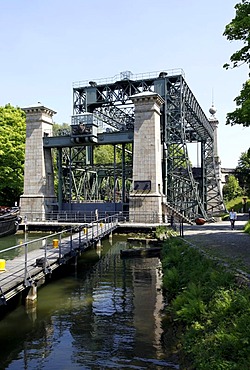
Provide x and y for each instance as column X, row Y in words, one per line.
column 30, row 267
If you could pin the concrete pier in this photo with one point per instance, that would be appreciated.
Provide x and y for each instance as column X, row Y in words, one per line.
column 147, row 172
column 39, row 194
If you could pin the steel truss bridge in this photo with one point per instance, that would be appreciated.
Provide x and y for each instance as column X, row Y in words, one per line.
column 103, row 115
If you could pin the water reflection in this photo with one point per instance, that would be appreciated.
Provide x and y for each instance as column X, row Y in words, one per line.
column 19, row 238
column 105, row 315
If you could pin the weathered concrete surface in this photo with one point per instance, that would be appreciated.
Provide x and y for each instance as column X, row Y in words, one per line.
column 231, row 246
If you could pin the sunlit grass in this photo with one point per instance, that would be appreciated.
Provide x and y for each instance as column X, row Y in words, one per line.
column 237, row 204
column 247, row 228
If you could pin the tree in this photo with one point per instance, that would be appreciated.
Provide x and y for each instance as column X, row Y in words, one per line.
column 239, row 30
column 61, row 129
column 12, row 152
column 231, row 189
column 242, row 172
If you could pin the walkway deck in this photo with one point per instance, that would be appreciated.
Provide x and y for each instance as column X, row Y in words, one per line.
column 231, row 246
column 31, row 266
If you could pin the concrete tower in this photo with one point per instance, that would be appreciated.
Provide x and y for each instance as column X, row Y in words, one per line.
column 39, row 194
column 146, row 196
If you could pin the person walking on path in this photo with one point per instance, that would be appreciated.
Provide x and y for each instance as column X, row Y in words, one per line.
column 232, row 218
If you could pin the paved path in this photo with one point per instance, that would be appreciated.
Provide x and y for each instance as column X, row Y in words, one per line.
column 232, row 246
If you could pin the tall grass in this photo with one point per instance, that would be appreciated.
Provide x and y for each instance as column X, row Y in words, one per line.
column 214, row 310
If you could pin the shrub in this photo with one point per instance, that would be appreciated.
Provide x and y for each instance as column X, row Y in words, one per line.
column 215, row 312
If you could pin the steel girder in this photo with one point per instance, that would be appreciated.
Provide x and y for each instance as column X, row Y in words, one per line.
column 186, row 122
column 81, row 181
column 210, row 192
column 182, row 122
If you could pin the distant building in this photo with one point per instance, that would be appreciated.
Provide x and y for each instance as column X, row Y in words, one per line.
column 225, row 173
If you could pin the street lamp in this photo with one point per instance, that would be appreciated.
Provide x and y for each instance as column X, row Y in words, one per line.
column 244, row 200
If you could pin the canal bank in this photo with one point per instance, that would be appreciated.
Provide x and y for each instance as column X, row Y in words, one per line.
column 208, row 296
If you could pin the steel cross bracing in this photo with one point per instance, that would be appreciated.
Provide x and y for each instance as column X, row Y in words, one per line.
column 112, row 116
column 82, row 181
column 183, row 121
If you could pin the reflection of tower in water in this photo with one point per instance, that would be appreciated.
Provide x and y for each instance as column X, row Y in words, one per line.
column 148, row 303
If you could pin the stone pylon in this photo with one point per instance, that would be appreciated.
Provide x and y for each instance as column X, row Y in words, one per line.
column 146, row 196
column 39, row 193
column 214, row 123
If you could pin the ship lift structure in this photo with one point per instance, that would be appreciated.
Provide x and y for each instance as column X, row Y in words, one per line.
column 103, row 115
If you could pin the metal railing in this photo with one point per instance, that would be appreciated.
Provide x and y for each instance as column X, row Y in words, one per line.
column 68, row 216
column 91, row 216
column 134, row 77
column 31, row 260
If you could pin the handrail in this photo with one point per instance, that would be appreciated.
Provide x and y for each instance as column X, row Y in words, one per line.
column 132, row 76
column 33, row 241
column 26, row 269
column 69, row 230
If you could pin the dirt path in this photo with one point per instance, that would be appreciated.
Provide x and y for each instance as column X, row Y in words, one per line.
column 231, row 246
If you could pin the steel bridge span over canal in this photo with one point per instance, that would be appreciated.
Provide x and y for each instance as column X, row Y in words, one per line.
column 126, row 151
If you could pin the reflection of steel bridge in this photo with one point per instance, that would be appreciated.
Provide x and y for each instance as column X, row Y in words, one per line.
column 106, row 111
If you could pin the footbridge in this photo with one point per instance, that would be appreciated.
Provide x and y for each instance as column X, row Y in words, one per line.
column 126, row 151
column 27, row 265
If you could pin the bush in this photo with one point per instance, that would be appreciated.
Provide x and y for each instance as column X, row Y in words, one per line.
column 214, row 311
column 232, row 189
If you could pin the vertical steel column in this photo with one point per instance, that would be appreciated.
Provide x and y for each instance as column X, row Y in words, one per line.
column 115, row 176
column 123, row 175
column 70, row 178
column 203, row 194
column 60, row 179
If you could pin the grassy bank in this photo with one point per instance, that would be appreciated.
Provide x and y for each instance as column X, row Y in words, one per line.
column 247, row 228
column 209, row 306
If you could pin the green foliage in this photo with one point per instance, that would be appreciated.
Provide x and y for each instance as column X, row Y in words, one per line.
column 231, row 189
column 237, row 204
column 163, row 232
column 61, row 129
column 241, row 115
column 12, row 152
column 176, row 154
column 215, row 312
column 242, row 172
column 104, row 154
column 222, row 336
column 239, row 30
column 247, row 228
column 190, row 304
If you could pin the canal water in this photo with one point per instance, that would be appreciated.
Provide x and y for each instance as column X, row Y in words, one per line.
column 105, row 313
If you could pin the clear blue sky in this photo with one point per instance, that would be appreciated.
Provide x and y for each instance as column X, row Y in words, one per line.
column 47, row 45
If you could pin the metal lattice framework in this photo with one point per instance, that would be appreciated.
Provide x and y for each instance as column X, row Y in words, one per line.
column 182, row 122
column 80, row 180
column 186, row 122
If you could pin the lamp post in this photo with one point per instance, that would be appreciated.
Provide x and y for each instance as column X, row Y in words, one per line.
column 244, row 200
